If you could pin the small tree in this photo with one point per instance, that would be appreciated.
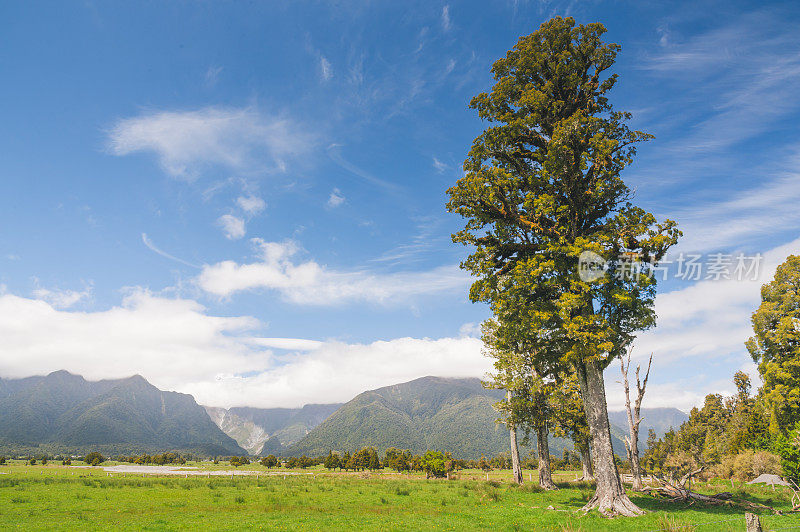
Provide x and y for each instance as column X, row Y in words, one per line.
column 269, row 461
column 331, row 461
column 484, row 465
column 94, row 458
column 433, row 463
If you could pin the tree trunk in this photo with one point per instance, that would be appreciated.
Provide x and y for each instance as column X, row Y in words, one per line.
column 634, row 419
column 586, row 463
column 515, row 465
column 545, row 475
column 610, row 497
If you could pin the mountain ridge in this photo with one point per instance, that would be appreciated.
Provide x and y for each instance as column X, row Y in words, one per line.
column 63, row 412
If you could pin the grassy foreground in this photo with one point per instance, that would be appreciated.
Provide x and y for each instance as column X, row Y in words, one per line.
column 64, row 498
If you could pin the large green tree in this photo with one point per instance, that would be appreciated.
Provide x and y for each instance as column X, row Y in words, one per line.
column 775, row 346
column 542, row 185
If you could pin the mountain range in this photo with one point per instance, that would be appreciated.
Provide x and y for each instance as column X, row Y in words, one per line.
column 442, row 413
column 62, row 412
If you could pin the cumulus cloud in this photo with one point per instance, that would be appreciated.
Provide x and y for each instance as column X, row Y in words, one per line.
column 177, row 345
column 241, row 139
column 306, row 378
column 252, row 205
column 232, row 226
column 336, row 198
column 170, row 341
column 309, row 283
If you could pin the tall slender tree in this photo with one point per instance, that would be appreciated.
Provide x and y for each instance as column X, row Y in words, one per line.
column 542, row 188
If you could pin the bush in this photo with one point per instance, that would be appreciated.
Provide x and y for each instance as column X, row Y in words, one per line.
column 747, row 465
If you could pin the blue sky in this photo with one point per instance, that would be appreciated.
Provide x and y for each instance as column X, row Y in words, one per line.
column 246, row 201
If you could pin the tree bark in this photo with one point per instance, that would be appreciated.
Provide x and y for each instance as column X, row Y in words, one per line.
column 516, row 467
column 545, row 474
column 610, row 497
column 586, row 463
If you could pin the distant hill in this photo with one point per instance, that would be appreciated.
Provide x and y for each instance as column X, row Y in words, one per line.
column 62, row 412
column 269, row 430
column 455, row 415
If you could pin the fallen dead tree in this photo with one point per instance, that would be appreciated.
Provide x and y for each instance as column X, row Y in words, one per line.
column 680, row 491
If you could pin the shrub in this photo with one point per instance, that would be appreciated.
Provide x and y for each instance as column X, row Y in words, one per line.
column 747, row 465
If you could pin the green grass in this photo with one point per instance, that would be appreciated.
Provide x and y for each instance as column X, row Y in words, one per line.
column 58, row 498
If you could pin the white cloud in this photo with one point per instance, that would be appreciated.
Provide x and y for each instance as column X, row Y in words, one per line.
column 446, row 23
column 242, row 139
column 252, row 205
column 176, row 345
column 169, row 341
column 232, row 226
column 309, row 283
column 701, row 329
column 325, row 68
column 336, row 198
column 306, row 378
column 62, row 299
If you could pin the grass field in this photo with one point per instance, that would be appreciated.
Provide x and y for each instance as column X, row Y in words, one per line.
column 53, row 497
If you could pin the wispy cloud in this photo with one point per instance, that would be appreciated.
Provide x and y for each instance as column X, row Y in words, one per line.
column 325, row 68
column 428, row 238
column 185, row 142
column 439, row 165
column 60, row 298
column 334, row 152
column 212, row 75
column 335, row 199
column 446, row 23
column 747, row 71
column 152, row 247
column 310, row 283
